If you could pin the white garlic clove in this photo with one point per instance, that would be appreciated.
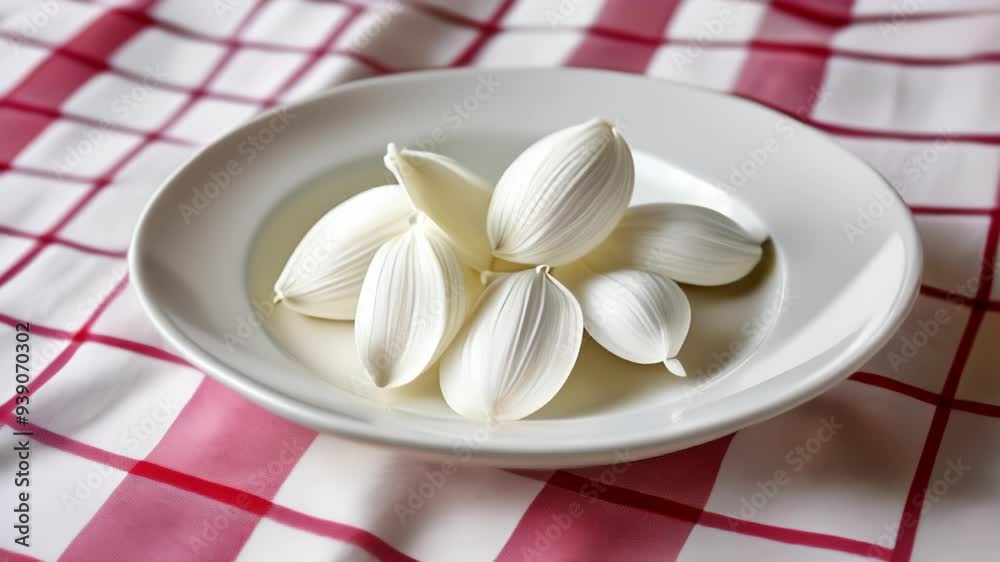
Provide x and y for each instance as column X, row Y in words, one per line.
column 516, row 350
column 640, row 316
column 452, row 196
column 412, row 303
column 562, row 196
column 686, row 243
column 323, row 276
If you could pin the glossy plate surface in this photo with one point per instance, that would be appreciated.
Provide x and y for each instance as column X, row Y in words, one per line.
column 827, row 295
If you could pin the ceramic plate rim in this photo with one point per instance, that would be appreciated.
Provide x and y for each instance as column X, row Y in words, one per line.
column 426, row 445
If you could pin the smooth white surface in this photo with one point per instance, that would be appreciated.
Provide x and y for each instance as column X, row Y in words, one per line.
column 815, row 309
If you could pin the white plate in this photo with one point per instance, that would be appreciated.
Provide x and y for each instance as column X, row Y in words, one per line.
column 824, row 300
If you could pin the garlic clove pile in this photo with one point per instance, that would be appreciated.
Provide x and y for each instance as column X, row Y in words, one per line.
column 562, row 196
column 452, row 196
column 412, row 303
column 640, row 316
column 516, row 350
column 323, row 275
column 686, row 243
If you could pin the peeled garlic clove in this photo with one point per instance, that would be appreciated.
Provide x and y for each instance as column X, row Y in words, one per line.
column 453, row 197
column 562, row 196
column 412, row 304
column 323, row 275
column 686, row 243
column 516, row 350
column 640, row 316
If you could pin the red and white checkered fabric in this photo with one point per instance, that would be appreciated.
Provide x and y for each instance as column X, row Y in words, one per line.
column 138, row 456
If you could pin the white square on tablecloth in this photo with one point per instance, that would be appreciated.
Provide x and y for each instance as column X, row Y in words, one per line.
column 66, row 492
column 934, row 100
column 938, row 173
column 126, row 319
column 916, row 37
column 716, row 20
column 108, row 220
column 953, row 251
column 11, row 250
column 921, row 351
column 256, row 73
column 717, row 69
column 155, row 162
column 706, row 543
column 523, row 48
column 295, row 23
column 981, row 376
column 122, row 101
column 554, row 14
column 963, row 495
column 65, row 285
column 850, row 486
column 34, row 204
column 180, row 61
column 429, row 41
column 82, row 150
column 271, row 540
column 381, row 484
column 208, row 119
column 328, row 72
column 218, row 19
column 17, row 61
column 54, row 21
column 131, row 399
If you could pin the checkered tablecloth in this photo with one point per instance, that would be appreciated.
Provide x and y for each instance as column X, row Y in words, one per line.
column 135, row 455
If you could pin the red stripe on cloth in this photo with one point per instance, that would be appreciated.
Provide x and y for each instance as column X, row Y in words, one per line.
column 615, row 53
column 248, row 503
column 789, row 536
column 19, row 129
column 676, row 510
column 648, row 20
column 52, row 82
column 9, row 556
column 619, row 497
column 486, row 32
column 240, row 453
column 575, row 525
column 894, row 385
column 789, row 81
column 221, row 436
column 907, row 532
column 314, row 57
